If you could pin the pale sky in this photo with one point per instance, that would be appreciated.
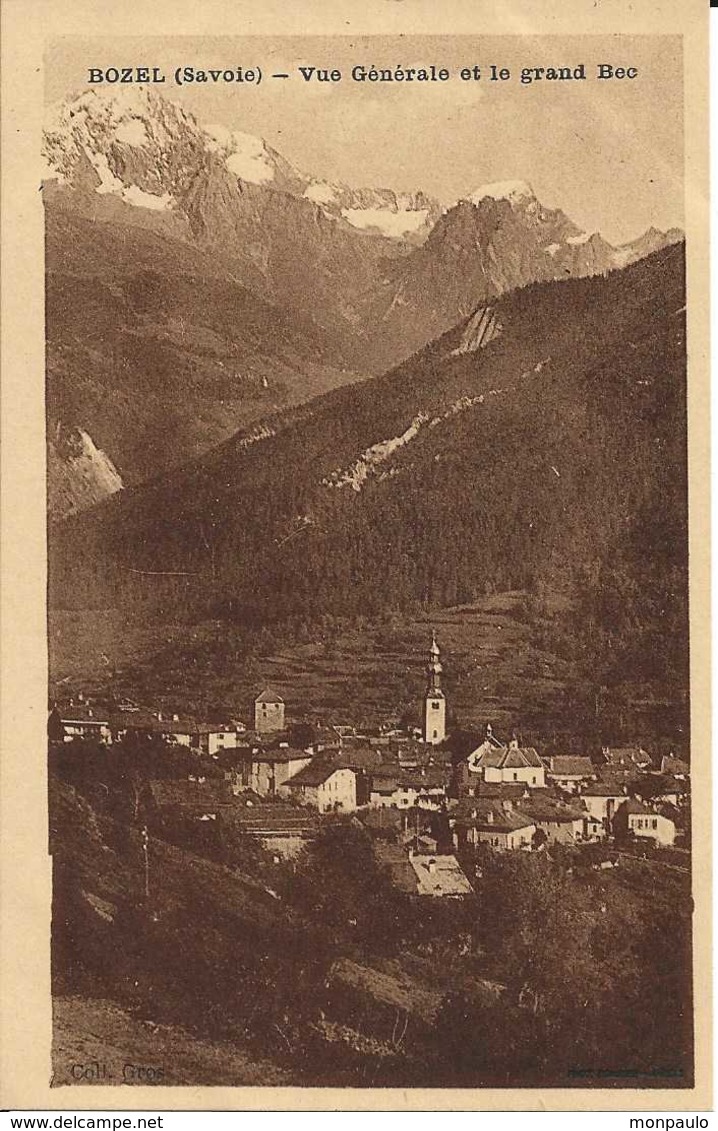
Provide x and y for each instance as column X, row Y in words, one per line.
column 609, row 152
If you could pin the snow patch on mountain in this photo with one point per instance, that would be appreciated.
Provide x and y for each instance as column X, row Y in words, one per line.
column 132, row 132
column 552, row 248
column 319, row 192
column 357, row 475
column 127, row 136
column 245, row 156
column 131, row 194
column 108, row 181
column 581, row 238
column 141, row 199
column 387, row 221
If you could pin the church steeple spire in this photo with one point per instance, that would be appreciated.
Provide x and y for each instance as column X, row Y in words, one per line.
column 434, row 713
column 435, row 668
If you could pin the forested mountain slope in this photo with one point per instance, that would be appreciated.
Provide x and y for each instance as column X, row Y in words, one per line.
column 540, row 444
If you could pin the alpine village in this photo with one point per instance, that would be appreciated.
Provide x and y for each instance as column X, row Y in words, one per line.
column 369, row 720
column 403, row 830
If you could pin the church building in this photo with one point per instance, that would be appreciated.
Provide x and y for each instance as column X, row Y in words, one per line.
column 434, row 713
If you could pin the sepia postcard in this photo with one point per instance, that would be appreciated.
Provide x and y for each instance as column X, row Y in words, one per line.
column 356, row 723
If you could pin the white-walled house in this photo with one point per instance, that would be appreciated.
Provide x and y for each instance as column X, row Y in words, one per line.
column 560, row 823
column 401, row 790
column 512, row 763
column 325, row 786
column 208, row 738
column 601, row 800
column 388, row 793
column 80, row 720
column 634, row 818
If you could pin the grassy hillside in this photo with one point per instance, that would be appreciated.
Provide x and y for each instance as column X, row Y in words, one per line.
column 86, row 1030
column 334, row 977
column 501, row 666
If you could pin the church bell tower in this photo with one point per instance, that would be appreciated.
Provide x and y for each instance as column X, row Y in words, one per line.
column 434, row 721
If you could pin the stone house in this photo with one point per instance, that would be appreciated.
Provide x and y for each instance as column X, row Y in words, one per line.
column 267, row 771
column 268, row 712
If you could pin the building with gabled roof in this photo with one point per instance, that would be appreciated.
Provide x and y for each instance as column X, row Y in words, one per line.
column 512, row 763
column 282, row 828
column 634, row 818
column 602, row 798
column 325, row 786
column 498, row 824
column 567, row 771
column 439, row 876
column 560, row 823
column 627, row 757
column 395, row 787
column 81, row 720
column 196, row 797
column 267, row 769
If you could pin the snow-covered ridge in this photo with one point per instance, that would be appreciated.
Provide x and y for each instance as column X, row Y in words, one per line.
column 392, row 214
column 145, row 149
column 125, row 135
column 516, row 192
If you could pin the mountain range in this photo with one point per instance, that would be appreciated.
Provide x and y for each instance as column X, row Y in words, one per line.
column 199, row 285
